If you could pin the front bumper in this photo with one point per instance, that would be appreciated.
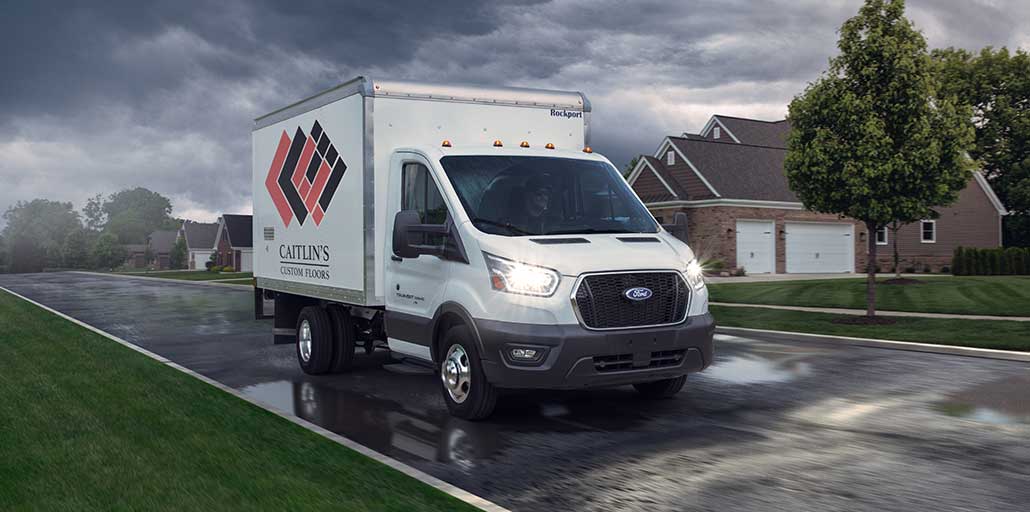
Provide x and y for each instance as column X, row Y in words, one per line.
column 575, row 357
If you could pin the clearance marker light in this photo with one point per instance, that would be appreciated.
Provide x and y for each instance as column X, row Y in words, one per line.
column 497, row 143
column 549, row 146
column 588, row 150
column 446, row 143
column 524, row 144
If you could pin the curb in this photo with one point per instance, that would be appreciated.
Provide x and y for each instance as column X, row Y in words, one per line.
column 860, row 312
column 432, row 481
column 163, row 280
column 911, row 346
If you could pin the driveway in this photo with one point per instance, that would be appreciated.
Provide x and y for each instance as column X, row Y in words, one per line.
column 772, row 425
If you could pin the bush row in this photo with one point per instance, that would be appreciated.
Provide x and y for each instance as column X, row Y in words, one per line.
column 968, row 261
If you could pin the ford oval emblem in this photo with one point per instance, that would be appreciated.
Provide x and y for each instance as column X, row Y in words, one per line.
column 638, row 293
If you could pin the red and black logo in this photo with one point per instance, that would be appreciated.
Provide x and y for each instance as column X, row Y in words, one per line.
column 304, row 175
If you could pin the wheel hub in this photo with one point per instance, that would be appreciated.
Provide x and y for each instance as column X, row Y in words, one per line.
column 304, row 341
column 456, row 373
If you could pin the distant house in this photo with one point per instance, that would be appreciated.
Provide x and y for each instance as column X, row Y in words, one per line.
column 234, row 242
column 161, row 244
column 200, row 242
column 135, row 255
column 730, row 182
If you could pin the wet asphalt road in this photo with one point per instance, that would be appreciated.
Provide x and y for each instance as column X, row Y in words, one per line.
column 773, row 425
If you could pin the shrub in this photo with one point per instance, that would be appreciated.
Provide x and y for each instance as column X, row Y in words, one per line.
column 910, row 270
column 957, row 261
column 216, row 268
column 927, row 269
column 984, row 262
column 208, row 265
column 945, row 269
column 740, row 272
column 228, row 268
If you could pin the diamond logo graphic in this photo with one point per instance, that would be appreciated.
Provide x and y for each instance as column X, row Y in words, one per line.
column 304, row 174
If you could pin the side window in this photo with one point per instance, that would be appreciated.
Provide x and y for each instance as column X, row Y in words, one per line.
column 420, row 193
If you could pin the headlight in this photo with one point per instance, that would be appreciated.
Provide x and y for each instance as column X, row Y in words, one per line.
column 695, row 275
column 514, row 277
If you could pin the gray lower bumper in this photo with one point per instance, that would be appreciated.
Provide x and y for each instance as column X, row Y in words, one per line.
column 574, row 357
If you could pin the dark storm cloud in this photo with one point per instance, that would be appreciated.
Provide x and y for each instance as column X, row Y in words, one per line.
column 105, row 95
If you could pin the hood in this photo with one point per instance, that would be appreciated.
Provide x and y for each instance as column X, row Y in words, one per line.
column 600, row 252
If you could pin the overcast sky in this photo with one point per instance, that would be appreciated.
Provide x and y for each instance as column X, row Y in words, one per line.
column 100, row 96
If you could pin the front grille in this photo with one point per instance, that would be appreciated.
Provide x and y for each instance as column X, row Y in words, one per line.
column 622, row 362
column 602, row 302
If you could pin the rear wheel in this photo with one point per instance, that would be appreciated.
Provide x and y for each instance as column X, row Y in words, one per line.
column 343, row 339
column 314, row 340
column 465, row 388
column 664, row 388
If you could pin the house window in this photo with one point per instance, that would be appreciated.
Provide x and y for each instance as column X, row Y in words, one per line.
column 881, row 236
column 670, row 158
column 928, row 231
column 716, row 133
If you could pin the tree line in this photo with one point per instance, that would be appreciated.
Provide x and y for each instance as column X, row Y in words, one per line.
column 43, row 234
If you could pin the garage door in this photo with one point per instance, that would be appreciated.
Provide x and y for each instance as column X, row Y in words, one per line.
column 756, row 249
column 819, row 248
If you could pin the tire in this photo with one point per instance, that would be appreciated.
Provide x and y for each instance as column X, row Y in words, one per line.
column 316, row 355
column 665, row 388
column 460, row 363
column 343, row 339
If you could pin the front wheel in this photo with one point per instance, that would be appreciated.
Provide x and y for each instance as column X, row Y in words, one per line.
column 314, row 340
column 465, row 388
column 664, row 388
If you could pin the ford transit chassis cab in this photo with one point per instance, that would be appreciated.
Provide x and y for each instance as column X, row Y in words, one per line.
column 473, row 229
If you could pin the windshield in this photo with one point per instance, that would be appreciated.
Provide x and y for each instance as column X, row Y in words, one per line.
column 525, row 195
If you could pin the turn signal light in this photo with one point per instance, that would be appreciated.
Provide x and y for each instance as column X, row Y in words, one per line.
column 588, row 150
column 524, row 144
column 446, row 144
column 549, row 146
column 497, row 143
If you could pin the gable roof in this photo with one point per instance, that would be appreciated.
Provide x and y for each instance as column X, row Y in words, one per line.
column 200, row 235
column 738, row 171
column 163, row 241
column 239, row 230
column 750, row 131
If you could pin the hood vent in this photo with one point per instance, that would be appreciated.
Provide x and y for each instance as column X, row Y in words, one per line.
column 557, row 241
column 638, row 239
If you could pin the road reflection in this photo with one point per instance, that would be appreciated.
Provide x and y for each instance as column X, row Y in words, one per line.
column 1002, row 401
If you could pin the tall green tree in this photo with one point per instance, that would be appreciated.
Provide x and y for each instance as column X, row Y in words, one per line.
column 873, row 139
column 177, row 258
column 996, row 83
column 35, row 233
column 75, row 252
column 132, row 214
column 93, row 215
column 108, row 253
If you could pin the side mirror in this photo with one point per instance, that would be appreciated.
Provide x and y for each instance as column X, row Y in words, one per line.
column 402, row 223
column 678, row 228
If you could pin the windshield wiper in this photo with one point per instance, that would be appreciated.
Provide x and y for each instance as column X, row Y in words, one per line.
column 505, row 225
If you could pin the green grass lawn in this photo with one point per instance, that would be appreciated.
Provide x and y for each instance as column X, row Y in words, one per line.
column 238, row 281
column 972, row 295
column 999, row 334
column 191, row 275
column 87, row 424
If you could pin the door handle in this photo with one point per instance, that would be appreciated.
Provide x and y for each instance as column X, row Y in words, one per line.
column 396, row 258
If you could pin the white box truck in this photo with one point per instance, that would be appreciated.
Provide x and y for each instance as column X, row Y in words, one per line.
column 473, row 229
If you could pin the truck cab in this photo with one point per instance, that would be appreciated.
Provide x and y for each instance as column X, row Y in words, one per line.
column 511, row 263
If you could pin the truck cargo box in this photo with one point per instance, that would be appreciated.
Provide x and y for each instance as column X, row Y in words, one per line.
column 320, row 171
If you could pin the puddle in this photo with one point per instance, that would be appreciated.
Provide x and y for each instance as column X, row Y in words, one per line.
column 769, row 363
column 1001, row 402
column 400, row 431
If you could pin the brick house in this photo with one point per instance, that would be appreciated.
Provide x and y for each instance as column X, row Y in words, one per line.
column 200, row 242
column 729, row 180
column 234, row 242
